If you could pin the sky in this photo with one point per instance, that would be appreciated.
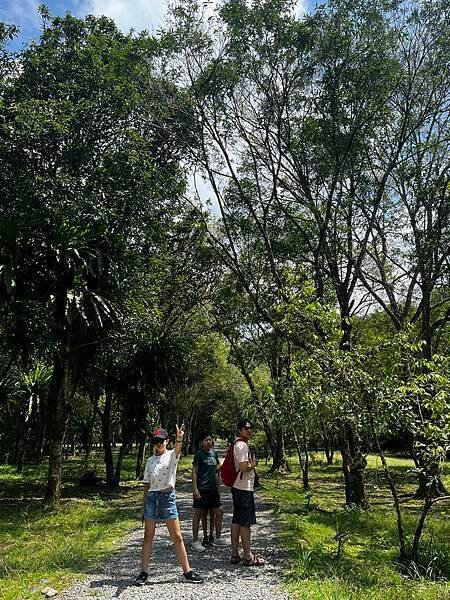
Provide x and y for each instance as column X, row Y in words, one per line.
column 128, row 14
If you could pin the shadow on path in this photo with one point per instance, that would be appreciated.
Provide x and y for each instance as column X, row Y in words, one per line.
column 114, row 579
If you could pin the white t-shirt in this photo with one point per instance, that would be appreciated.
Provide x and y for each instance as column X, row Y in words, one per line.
column 242, row 454
column 161, row 471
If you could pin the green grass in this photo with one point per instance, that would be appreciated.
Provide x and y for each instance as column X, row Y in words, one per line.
column 367, row 567
column 41, row 547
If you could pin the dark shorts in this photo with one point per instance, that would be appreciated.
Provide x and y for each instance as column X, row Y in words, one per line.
column 243, row 507
column 208, row 499
column 161, row 506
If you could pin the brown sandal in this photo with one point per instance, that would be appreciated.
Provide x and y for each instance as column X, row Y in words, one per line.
column 235, row 560
column 254, row 561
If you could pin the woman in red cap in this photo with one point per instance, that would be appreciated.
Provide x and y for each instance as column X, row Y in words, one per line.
column 159, row 502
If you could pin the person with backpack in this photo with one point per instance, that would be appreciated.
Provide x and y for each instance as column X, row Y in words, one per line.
column 159, row 502
column 206, row 492
column 238, row 471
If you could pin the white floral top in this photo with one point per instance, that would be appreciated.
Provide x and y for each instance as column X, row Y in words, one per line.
column 161, row 471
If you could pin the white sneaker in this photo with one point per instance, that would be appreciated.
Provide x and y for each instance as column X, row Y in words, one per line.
column 221, row 542
column 197, row 546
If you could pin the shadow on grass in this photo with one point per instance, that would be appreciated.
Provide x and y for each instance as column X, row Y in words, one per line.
column 369, row 557
column 83, row 530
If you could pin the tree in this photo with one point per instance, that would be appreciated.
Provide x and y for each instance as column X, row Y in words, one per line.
column 303, row 128
column 83, row 184
column 407, row 263
column 419, row 406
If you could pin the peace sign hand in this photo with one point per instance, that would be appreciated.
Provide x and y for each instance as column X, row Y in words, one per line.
column 179, row 440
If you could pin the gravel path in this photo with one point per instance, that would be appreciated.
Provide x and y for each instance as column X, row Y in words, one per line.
column 222, row 580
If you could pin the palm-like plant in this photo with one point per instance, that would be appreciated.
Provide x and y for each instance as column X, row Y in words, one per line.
column 32, row 388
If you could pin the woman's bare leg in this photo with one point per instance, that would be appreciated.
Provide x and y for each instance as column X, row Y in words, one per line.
column 149, row 535
column 173, row 525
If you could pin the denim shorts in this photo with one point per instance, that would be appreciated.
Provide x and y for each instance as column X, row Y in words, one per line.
column 161, row 506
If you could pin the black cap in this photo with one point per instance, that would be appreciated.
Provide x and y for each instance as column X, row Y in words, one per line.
column 159, row 435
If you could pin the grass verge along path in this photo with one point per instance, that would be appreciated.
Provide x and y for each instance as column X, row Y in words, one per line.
column 366, row 567
column 41, row 547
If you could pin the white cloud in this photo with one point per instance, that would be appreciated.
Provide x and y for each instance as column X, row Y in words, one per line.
column 146, row 14
column 301, row 8
column 130, row 14
column 23, row 13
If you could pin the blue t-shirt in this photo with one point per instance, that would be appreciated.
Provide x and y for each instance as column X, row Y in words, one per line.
column 206, row 463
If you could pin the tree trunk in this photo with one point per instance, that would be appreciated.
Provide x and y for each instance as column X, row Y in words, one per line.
column 423, row 490
column 329, row 452
column 426, row 330
column 118, row 471
column 73, row 445
column 27, row 447
column 140, row 455
column 39, row 432
column 279, row 461
column 432, row 492
column 57, row 419
column 353, row 460
column 427, row 353
column 189, row 437
column 271, row 439
column 16, row 441
column 22, row 441
column 269, row 436
column 303, row 462
column 419, row 529
column 395, row 497
column 33, row 446
column 306, row 463
column 87, row 449
column 106, row 438
column 53, row 490
column 353, row 465
column 328, row 445
column 125, row 448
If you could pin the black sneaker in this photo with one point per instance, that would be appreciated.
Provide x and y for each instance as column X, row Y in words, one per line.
column 206, row 542
column 141, row 578
column 193, row 577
